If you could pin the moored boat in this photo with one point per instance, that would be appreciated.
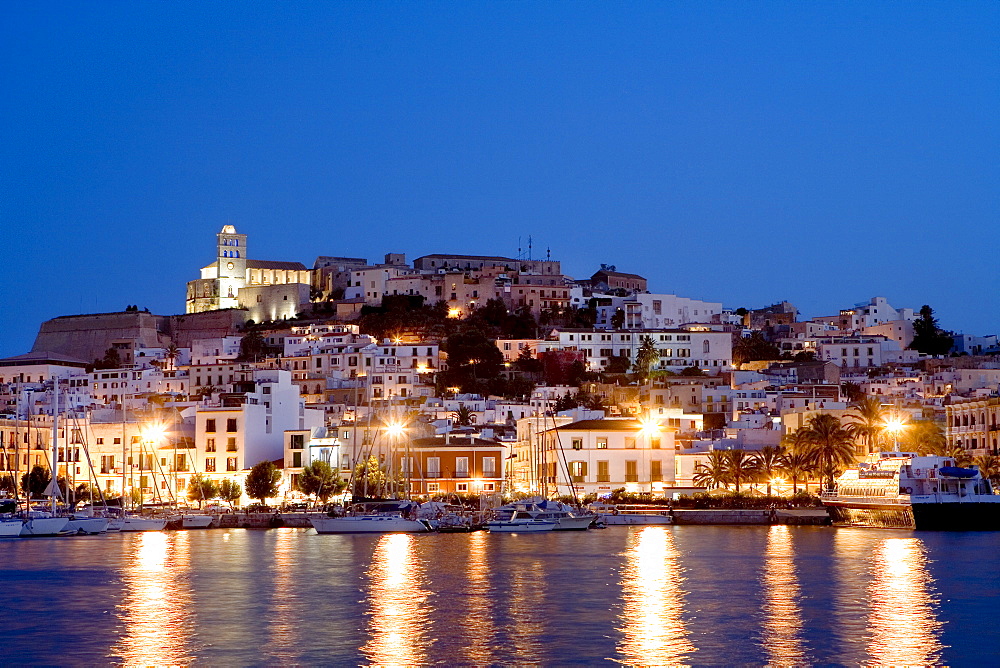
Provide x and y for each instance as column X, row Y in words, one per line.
column 564, row 517
column 909, row 491
column 39, row 524
column 11, row 527
column 520, row 522
column 189, row 521
column 373, row 517
column 633, row 514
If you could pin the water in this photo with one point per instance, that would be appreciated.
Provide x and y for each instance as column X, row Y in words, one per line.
column 637, row 596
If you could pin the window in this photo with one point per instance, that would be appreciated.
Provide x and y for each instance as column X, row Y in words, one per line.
column 578, row 471
column 210, row 445
column 100, row 441
column 210, row 426
column 210, row 465
column 231, row 463
column 578, row 444
column 630, row 442
column 489, row 487
column 489, row 467
column 297, row 441
column 231, row 444
column 603, row 472
column 462, row 487
column 461, row 467
column 433, row 467
column 602, row 442
column 433, row 486
column 656, row 471
column 631, row 470
column 296, row 459
column 231, row 425
column 654, row 443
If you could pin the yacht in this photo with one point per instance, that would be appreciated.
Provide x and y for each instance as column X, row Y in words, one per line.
column 521, row 522
column 10, row 527
column 564, row 517
column 189, row 521
column 374, row 517
column 909, row 491
column 633, row 514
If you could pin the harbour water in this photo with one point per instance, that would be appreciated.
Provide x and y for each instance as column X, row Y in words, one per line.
column 642, row 596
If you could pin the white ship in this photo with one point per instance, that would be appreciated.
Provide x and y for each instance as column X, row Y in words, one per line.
column 909, row 491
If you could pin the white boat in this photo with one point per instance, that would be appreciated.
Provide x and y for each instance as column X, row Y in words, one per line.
column 189, row 521
column 136, row 523
column 11, row 528
column 565, row 518
column 115, row 524
column 87, row 525
column 520, row 523
column 374, row 517
column 909, row 491
column 46, row 525
column 633, row 514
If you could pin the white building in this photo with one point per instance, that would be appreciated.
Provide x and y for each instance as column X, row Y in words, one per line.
column 678, row 348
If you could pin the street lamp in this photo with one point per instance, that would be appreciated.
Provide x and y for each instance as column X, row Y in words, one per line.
column 894, row 425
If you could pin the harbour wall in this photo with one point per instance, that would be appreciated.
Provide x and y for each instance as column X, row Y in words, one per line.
column 812, row 516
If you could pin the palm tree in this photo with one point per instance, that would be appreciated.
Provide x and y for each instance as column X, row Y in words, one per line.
column 867, row 423
column 742, row 466
column 769, row 462
column 173, row 352
column 462, row 416
column 796, row 465
column 989, row 467
column 831, row 447
column 925, row 437
column 714, row 472
column 959, row 454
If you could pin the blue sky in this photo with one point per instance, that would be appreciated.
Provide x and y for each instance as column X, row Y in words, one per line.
column 822, row 153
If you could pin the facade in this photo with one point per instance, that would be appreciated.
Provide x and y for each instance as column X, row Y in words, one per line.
column 221, row 281
column 608, row 454
column 678, row 348
column 452, row 464
column 972, row 425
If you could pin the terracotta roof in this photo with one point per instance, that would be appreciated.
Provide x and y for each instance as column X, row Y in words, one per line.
column 42, row 357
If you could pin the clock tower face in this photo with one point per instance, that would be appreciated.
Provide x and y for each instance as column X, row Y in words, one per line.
column 230, row 265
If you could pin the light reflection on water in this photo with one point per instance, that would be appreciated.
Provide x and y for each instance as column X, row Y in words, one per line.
column 903, row 618
column 156, row 603
column 398, row 616
column 651, row 595
column 283, row 621
column 653, row 631
column 477, row 624
column 782, row 612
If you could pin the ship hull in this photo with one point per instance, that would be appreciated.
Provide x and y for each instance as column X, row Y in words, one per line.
column 957, row 516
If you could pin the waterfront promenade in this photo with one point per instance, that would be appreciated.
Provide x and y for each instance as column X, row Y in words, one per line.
column 685, row 594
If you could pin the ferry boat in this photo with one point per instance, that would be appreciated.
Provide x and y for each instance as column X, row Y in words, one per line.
column 909, row 491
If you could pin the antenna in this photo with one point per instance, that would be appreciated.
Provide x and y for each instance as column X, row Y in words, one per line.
column 529, row 246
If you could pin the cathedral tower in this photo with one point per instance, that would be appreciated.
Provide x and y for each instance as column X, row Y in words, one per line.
column 232, row 266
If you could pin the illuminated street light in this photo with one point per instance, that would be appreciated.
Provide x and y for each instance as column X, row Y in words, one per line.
column 649, row 427
column 894, row 425
column 395, row 429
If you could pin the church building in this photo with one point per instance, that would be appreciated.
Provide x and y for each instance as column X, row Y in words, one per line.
column 271, row 290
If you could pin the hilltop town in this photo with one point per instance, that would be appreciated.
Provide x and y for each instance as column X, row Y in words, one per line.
column 474, row 376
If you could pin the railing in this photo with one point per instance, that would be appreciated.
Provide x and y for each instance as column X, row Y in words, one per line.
column 461, row 474
column 432, row 474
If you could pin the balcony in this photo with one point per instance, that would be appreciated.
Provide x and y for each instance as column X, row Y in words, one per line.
column 432, row 474
column 461, row 474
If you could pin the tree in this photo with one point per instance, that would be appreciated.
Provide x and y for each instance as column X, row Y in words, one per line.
column 173, row 352
column 647, row 357
column 201, row 488
column 989, row 467
column 230, row 491
column 866, row 423
column 35, row 482
column 714, row 472
column 769, row 463
column 319, row 479
column 741, row 466
column 370, row 480
column 253, row 348
column 753, row 348
column 960, row 455
column 829, row 446
column 925, row 437
column 618, row 319
column 463, row 416
column 111, row 360
column 852, row 392
column 692, row 371
column 928, row 338
column 797, row 466
column 262, row 481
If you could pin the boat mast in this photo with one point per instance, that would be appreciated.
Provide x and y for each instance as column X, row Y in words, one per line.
column 54, row 483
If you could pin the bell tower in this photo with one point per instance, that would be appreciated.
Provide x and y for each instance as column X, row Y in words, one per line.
column 232, row 265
